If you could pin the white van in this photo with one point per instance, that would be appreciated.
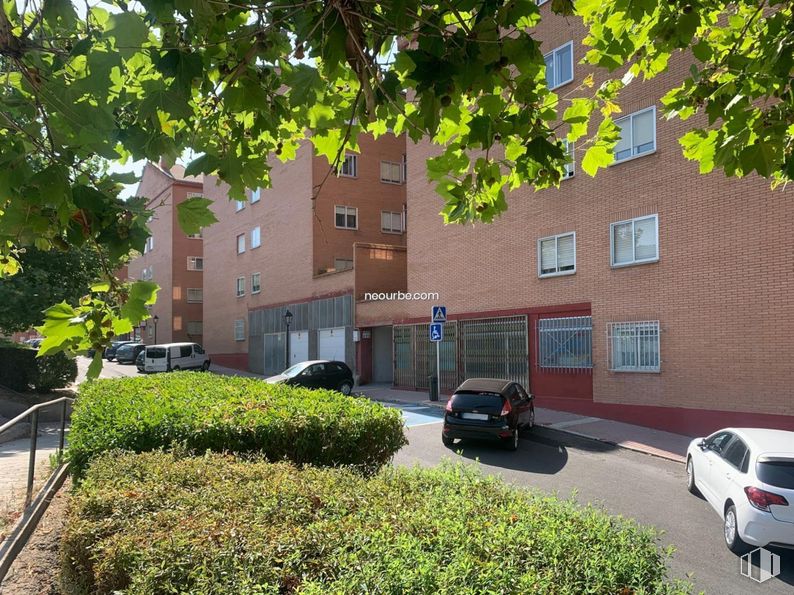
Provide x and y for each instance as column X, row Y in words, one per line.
column 175, row 356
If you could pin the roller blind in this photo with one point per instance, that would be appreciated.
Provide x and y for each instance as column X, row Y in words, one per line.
column 565, row 253
column 548, row 256
column 643, row 131
column 622, row 243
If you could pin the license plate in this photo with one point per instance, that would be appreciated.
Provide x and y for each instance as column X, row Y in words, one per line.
column 480, row 416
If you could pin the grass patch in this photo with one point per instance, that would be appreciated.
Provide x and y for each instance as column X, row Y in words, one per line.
column 162, row 523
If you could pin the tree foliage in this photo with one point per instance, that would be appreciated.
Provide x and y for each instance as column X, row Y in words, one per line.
column 239, row 81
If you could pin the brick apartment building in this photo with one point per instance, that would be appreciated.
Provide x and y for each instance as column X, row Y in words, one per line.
column 650, row 293
column 172, row 259
column 282, row 250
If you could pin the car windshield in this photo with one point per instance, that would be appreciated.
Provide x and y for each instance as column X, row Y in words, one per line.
column 778, row 473
column 293, row 371
column 473, row 400
column 155, row 352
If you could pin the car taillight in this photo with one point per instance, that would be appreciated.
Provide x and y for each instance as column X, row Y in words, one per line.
column 506, row 408
column 762, row 500
column 449, row 405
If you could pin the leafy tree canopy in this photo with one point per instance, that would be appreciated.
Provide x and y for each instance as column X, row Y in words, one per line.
column 239, row 81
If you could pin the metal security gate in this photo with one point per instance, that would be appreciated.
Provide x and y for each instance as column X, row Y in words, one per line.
column 415, row 356
column 275, row 353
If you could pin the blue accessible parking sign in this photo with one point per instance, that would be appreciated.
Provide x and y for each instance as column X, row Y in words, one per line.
column 436, row 332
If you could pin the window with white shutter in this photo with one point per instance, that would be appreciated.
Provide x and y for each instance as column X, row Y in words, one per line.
column 256, row 237
column 391, row 172
column 635, row 241
column 240, row 286
column 195, row 295
column 557, row 255
column 241, row 243
column 391, row 222
column 239, row 330
column 637, row 134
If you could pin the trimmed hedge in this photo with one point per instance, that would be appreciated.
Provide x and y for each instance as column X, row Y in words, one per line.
column 224, row 413
column 158, row 523
column 21, row 370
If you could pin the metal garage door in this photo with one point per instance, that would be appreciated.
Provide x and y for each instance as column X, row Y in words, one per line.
column 298, row 347
column 331, row 343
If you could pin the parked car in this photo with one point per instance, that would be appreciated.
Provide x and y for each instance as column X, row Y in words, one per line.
column 488, row 408
column 172, row 357
column 127, row 353
column 34, row 343
column 110, row 352
column 139, row 361
column 747, row 475
column 332, row 375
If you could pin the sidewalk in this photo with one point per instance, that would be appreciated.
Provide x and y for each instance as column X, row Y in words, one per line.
column 646, row 440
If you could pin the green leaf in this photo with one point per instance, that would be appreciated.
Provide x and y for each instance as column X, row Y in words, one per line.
column 194, row 213
column 141, row 294
column 128, row 31
column 95, row 367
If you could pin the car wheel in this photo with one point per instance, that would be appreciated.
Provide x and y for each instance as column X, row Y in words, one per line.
column 345, row 388
column 175, row 369
column 690, row 477
column 512, row 442
column 448, row 442
column 731, row 533
column 205, row 366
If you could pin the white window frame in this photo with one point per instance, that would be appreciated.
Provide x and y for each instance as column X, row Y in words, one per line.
column 347, row 211
column 193, row 263
column 353, row 160
column 240, row 243
column 553, row 53
column 256, row 195
column 194, row 322
column 149, row 245
column 634, row 260
column 194, row 299
column 557, row 273
column 258, row 284
column 239, row 287
column 392, row 214
column 630, row 118
column 400, row 167
column 257, row 236
column 614, row 327
column 541, row 2
column 239, row 205
column 239, row 329
column 570, row 168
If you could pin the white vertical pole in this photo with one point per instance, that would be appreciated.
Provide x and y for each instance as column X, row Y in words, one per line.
column 438, row 369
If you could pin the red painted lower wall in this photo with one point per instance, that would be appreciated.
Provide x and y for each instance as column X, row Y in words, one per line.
column 690, row 422
column 238, row 361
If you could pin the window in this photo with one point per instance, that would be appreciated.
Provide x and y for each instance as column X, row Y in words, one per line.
column 195, row 295
column 239, row 330
column 391, row 172
column 557, row 255
column 570, row 167
column 147, row 274
column 634, row 346
column 195, row 327
column 637, row 134
column 559, row 66
column 256, row 195
column 241, row 243
column 256, row 287
column 255, row 239
column 736, row 454
column 349, row 167
column 239, row 205
column 391, row 222
column 343, row 264
column 635, row 241
column 565, row 343
column 240, row 286
column 540, row 2
column 346, row 217
column 195, row 263
column 149, row 245
column 196, row 236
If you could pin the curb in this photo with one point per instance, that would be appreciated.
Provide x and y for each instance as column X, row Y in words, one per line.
column 646, row 451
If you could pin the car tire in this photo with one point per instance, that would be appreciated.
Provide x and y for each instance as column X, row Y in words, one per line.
column 691, row 486
column 345, row 388
column 175, row 369
column 447, row 441
column 512, row 443
column 730, row 531
column 205, row 366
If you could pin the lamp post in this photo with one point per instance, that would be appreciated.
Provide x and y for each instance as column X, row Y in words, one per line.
column 287, row 321
column 155, row 319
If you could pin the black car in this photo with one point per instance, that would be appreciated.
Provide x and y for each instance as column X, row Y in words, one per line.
column 488, row 408
column 317, row 374
column 110, row 352
column 127, row 353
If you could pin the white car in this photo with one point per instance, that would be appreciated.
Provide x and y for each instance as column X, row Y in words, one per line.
column 175, row 356
column 747, row 475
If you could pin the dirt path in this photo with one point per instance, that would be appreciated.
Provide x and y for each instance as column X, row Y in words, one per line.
column 36, row 569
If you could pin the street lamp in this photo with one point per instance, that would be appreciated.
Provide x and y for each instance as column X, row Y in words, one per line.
column 287, row 321
column 155, row 319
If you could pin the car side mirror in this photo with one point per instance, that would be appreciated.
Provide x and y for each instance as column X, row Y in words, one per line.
column 702, row 445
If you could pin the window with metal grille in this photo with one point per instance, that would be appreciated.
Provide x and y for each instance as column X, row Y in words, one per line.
column 239, row 330
column 557, row 255
column 565, row 343
column 346, row 217
column 195, row 327
column 559, row 66
column 195, row 295
column 634, row 346
column 349, row 167
column 391, row 172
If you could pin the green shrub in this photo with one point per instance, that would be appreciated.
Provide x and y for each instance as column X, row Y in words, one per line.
column 160, row 523
column 223, row 413
column 21, row 370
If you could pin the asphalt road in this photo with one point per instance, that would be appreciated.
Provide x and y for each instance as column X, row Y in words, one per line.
column 646, row 488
